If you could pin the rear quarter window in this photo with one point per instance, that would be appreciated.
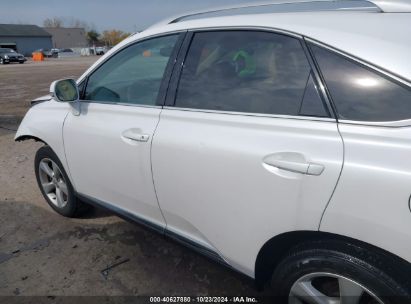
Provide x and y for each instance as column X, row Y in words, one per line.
column 360, row 93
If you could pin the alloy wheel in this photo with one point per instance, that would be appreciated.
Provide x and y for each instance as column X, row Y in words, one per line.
column 327, row 288
column 53, row 182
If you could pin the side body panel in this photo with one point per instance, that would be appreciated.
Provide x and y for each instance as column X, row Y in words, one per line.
column 215, row 189
column 106, row 164
column 371, row 201
column 45, row 121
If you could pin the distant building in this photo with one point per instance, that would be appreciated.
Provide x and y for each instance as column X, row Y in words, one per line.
column 24, row 38
column 67, row 38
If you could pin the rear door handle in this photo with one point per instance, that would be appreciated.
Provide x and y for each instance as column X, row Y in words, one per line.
column 280, row 161
column 136, row 135
column 288, row 165
column 315, row 169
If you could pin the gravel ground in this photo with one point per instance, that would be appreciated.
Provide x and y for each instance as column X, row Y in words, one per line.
column 21, row 83
column 44, row 254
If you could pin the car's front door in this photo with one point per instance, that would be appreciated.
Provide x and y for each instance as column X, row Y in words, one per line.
column 249, row 150
column 108, row 144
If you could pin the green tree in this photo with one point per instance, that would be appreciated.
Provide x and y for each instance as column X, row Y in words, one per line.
column 92, row 36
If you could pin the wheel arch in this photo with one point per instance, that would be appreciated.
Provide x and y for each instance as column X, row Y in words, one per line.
column 44, row 123
column 30, row 137
column 54, row 145
column 275, row 249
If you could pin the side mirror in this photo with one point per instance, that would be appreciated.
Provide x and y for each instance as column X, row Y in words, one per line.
column 65, row 90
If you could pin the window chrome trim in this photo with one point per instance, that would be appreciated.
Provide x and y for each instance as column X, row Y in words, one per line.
column 247, row 28
column 384, row 124
column 179, row 31
column 290, row 34
column 321, row 89
column 387, row 74
column 390, row 75
column 369, row 65
column 172, row 32
column 120, row 104
column 131, row 43
column 310, row 118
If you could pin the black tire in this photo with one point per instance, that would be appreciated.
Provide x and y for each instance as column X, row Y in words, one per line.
column 21, row 62
column 73, row 207
column 385, row 276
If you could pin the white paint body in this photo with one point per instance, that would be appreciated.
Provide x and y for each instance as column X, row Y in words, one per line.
column 113, row 168
column 214, row 187
column 207, row 168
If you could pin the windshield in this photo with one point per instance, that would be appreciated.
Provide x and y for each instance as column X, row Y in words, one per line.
column 7, row 51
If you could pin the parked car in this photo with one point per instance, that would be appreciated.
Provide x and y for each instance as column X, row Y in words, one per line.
column 64, row 53
column 100, row 50
column 53, row 53
column 10, row 55
column 277, row 143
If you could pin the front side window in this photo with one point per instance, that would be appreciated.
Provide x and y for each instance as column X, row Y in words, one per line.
column 359, row 93
column 133, row 75
column 248, row 71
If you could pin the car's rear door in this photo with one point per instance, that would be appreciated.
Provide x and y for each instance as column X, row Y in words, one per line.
column 247, row 148
column 108, row 144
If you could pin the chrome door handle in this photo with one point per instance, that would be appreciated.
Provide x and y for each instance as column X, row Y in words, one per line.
column 298, row 165
column 292, row 166
column 315, row 169
column 134, row 134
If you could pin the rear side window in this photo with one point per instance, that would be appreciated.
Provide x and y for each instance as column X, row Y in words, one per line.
column 246, row 71
column 359, row 93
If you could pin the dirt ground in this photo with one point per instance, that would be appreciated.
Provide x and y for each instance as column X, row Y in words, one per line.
column 44, row 254
column 21, row 83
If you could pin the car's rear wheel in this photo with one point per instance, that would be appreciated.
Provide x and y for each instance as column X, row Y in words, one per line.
column 55, row 184
column 336, row 272
column 330, row 288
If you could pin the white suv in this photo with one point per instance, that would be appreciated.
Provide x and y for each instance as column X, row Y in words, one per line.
column 278, row 144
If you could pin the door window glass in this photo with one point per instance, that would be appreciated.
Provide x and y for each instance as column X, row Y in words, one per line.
column 246, row 71
column 133, row 75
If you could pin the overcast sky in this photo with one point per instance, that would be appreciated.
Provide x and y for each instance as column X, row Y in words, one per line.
column 127, row 15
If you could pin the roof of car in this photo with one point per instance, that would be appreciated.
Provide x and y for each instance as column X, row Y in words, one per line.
column 276, row 6
column 381, row 39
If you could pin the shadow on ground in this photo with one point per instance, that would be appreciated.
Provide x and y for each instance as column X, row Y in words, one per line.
column 42, row 253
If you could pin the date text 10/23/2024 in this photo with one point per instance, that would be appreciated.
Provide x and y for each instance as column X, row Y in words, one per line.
column 205, row 299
